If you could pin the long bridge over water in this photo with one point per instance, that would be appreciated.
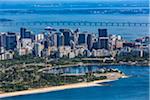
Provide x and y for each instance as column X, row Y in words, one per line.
column 75, row 23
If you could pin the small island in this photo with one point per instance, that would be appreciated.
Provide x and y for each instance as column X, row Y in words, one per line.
column 5, row 20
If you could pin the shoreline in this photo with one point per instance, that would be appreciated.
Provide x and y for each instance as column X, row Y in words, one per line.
column 90, row 64
column 58, row 88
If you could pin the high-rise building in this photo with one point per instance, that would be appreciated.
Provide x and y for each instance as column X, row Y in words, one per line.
column 46, row 44
column 75, row 37
column 38, row 49
column 60, row 39
column 39, row 37
column 2, row 39
column 95, row 45
column 67, row 36
column 25, row 33
column 103, row 42
column 2, row 42
column 103, row 39
column 89, row 41
column 54, row 39
column 11, row 41
column 82, row 39
column 102, row 32
column 25, row 43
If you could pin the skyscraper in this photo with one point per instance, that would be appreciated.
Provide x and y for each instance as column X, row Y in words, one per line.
column 60, row 39
column 89, row 41
column 75, row 37
column 11, row 41
column 54, row 39
column 25, row 33
column 95, row 45
column 37, row 49
column 103, row 42
column 67, row 36
column 2, row 42
column 82, row 39
column 102, row 32
column 2, row 39
column 46, row 44
column 103, row 39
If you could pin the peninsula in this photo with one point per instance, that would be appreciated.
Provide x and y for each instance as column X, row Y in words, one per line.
column 68, row 82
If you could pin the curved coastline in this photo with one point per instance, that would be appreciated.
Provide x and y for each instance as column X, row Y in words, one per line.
column 63, row 87
column 59, row 88
column 98, row 64
column 54, row 88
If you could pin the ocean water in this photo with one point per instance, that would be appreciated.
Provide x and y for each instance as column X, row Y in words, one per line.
column 135, row 87
column 126, row 32
column 129, row 33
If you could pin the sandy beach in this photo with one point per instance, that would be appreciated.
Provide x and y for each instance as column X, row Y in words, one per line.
column 111, row 77
column 54, row 88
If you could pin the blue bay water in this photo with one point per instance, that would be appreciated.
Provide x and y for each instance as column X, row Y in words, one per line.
column 135, row 87
column 128, row 33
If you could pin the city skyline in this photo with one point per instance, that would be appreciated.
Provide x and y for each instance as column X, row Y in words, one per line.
column 74, row 49
column 25, row 42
